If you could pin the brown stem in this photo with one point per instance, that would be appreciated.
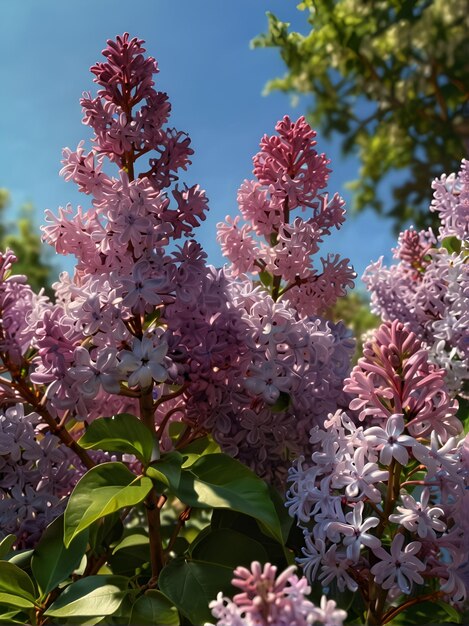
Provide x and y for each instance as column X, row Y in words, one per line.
column 162, row 426
column 59, row 430
column 390, row 615
column 147, row 414
column 182, row 519
column 170, row 396
column 377, row 594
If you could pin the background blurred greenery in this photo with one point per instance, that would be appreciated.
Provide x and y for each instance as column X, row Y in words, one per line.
column 22, row 236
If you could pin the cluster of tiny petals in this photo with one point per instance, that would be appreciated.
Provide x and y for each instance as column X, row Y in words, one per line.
column 428, row 289
column 290, row 175
column 340, row 496
column 451, row 202
column 395, row 375
column 35, row 474
column 273, row 600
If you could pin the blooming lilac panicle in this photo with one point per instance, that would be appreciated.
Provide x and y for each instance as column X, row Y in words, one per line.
column 270, row 599
column 142, row 316
column 451, row 202
column 290, row 175
column 395, row 376
column 428, row 289
column 365, row 513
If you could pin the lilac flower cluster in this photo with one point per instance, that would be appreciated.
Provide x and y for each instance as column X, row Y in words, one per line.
column 428, row 289
column 270, row 600
column 382, row 499
column 35, row 474
column 289, row 176
column 145, row 322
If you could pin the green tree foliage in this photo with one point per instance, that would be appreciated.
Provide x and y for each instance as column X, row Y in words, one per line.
column 24, row 240
column 354, row 310
column 392, row 77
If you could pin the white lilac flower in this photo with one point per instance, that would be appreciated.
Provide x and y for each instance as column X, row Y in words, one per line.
column 436, row 455
column 355, row 531
column 418, row 516
column 334, row 566
column 144, row 363
column 390, row 441
column 327, row 613
column 401, row 566
column 359, row 477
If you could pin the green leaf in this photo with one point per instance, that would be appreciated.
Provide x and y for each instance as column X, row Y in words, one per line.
column 219, row 481
column 167, row 470
column 52, row 562
column 191, row 585
column 130, row 555
column 16, row 601
column 229, row 548
column 104, row 489
column 197, row 448
column 89, row 597
column 266, row 278
column 427, row 613
column 282, row 403
column 452, row 244
column 8, row 618
column 16, row 582
column 21, row 558
column 154, row 608
column 121, row 433
column 6, row 545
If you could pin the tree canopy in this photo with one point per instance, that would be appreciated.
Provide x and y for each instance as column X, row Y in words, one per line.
column 391, row 77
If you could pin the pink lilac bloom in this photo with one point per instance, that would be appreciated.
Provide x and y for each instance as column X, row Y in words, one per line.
column 290, row 175
column 395, row 376
column 271, row 600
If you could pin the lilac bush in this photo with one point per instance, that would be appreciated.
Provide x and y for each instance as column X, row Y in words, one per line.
column 153, row 412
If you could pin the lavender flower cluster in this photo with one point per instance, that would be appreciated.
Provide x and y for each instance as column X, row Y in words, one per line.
column 428, row 289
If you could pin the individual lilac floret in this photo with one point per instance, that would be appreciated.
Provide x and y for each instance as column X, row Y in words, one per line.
column 267, row 600
column 401, row 566
column 144, row 362
column 390, row 441
column 416, row 515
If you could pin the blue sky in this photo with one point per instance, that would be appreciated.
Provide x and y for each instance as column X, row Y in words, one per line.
column 214, row 82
